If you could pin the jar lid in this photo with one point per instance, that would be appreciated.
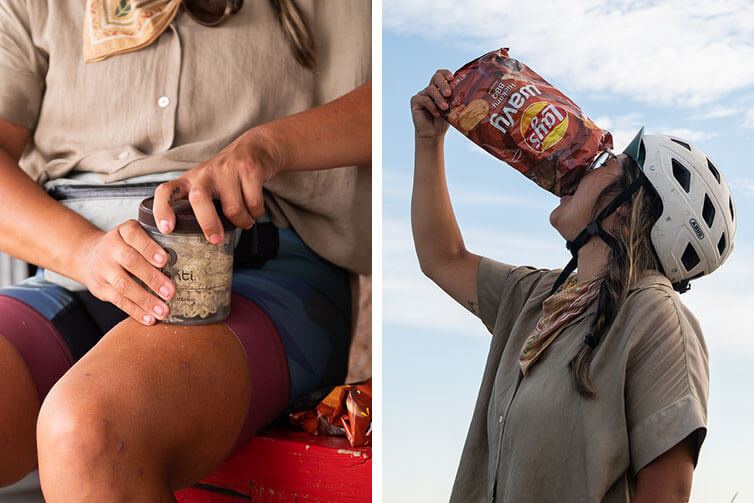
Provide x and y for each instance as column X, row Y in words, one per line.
column 185, row 220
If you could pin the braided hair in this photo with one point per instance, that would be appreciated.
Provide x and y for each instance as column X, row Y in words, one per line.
column 631, row 255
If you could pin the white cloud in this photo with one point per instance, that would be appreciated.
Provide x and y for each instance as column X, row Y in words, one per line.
column 689, row 134
column 671, row 52
column 396, row 186
column 412, row 300
column 624, row 128
column 720, row 112
column 749, row 119
column 745, row 186
column 475, row 149
column 719, row 300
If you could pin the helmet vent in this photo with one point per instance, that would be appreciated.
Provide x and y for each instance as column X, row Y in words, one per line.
column 689, row 258
column 681, row 143
column 721, row 244
column 712, row 168
column 682, row 175
column 708, row 211
column 730, row 202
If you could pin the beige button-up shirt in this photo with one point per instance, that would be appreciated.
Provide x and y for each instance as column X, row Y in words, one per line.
column 535, row 439
column 182, row 99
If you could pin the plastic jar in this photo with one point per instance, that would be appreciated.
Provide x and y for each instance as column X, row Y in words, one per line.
column 202, row 271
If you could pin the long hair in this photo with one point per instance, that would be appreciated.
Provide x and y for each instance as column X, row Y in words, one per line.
column 296, row 30
column 633, row 255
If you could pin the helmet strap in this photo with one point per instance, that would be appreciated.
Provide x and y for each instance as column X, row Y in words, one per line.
column 595, row 229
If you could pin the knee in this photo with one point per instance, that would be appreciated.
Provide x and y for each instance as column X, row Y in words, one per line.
column 72, row 436
column 18, row 416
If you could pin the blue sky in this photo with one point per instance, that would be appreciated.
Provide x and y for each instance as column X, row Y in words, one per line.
column 681, row 68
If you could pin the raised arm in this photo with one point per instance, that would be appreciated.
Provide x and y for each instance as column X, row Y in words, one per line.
column 37, row 229
column 439, row 245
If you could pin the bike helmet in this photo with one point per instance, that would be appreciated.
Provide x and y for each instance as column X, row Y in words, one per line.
column 694, row 234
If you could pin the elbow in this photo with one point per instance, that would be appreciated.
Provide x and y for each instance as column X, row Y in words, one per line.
column 426, row 265
column 428, row 269
column 433, row 265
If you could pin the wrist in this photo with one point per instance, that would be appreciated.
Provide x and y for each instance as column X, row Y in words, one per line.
column 429, row 139
column 265, row 148
column 77, row 262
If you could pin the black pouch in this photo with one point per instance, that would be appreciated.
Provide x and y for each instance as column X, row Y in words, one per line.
column 109, row 205
column 256, row 246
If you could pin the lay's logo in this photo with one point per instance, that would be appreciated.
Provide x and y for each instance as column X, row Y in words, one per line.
column 543, row 125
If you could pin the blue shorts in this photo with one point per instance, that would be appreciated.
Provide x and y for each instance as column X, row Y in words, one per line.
column 291, row 315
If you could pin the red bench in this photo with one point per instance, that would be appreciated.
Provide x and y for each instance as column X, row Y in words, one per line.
column 283, row 465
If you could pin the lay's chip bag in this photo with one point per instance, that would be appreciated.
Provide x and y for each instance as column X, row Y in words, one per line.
column 506, row 108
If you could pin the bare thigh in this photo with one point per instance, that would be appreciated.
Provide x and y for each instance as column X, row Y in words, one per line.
column 147, row 405
column 19, row 406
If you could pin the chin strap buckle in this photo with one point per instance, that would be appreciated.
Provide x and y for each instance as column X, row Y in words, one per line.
column 593, row 229
column 682, row 286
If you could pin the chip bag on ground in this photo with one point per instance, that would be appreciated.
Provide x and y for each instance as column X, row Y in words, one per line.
column 506, row 108
column 346, row 410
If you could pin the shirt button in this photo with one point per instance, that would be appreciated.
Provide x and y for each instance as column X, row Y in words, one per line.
column 163, row 102
column 123, row 155
column 500, row 420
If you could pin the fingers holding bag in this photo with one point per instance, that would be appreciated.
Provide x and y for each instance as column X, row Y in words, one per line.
column 429, row 105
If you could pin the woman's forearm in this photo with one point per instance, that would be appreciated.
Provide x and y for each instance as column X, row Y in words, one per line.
column 338, row 133
column 437, row 237
column 36, row 228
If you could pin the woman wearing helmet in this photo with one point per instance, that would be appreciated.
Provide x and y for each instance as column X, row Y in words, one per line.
column 596, row 382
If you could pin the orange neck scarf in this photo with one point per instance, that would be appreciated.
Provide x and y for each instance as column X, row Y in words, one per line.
column 114, row 27
column 557, row 311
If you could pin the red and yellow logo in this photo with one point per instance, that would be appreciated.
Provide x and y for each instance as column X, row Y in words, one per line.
column 543, row 125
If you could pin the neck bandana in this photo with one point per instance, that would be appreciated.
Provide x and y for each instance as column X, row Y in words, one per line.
column 114, row 27
column 557, row 311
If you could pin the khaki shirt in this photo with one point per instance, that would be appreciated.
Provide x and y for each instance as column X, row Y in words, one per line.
column 535, row 439
column 181, row 100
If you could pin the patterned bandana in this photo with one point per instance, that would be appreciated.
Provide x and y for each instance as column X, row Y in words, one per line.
column 118, row 26
column 557, row 310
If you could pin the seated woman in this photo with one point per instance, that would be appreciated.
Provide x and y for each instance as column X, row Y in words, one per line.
column 232, row 103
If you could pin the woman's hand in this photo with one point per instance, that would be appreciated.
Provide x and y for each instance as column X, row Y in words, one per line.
column 428, row 105
column 234, row 176
column 111, row 260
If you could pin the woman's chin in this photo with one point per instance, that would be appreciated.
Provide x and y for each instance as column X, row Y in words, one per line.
column 555, row 217
column 557, row 222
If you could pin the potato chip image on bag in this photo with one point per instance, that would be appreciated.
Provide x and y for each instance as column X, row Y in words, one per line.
column 506, row 108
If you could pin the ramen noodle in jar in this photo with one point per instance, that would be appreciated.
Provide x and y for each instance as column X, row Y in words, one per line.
column 202, row 271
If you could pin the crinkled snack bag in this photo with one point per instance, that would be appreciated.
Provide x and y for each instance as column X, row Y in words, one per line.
column 346, row 410
column 506, row 108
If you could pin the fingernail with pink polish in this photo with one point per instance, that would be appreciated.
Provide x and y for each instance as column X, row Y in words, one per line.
column 164, row 225
column 148, row 320
column 215, row 238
